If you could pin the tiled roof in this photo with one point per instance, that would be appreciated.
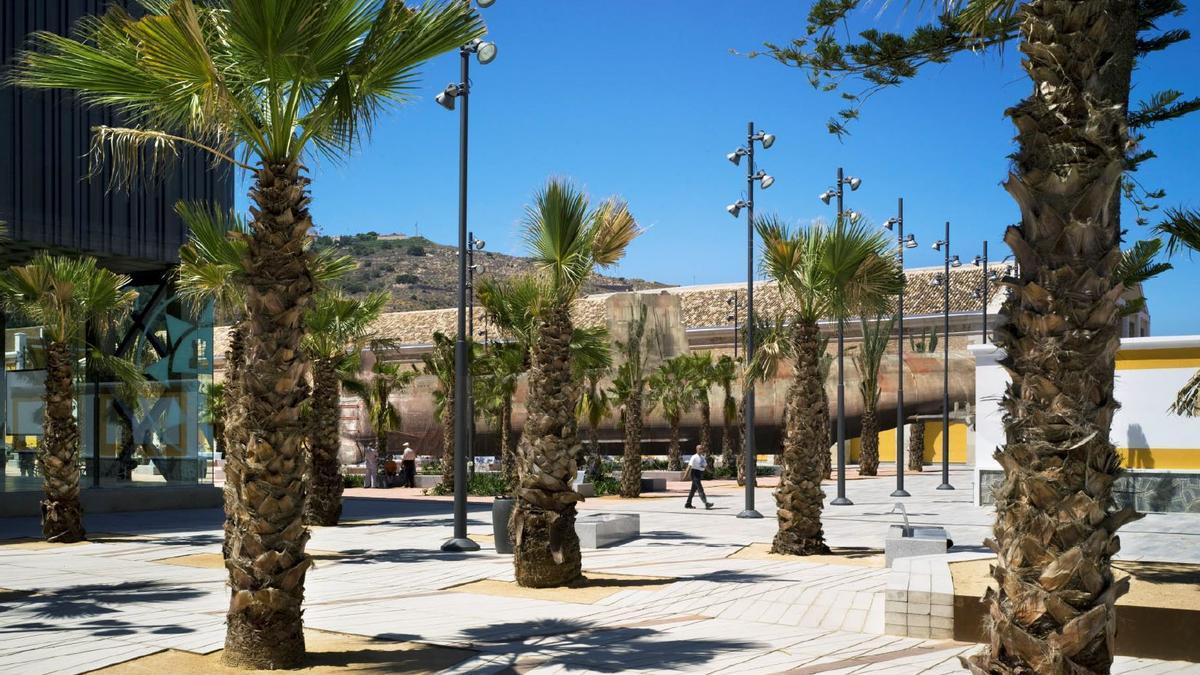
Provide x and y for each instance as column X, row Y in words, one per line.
column 701, row 306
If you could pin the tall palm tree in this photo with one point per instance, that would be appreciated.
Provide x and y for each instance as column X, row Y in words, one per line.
column 703, row 377
column 67, row 297
column 628, row 391
column 724, row 374
column 672, row 389
column 823, row 271
column 376, row 391
column 875, row 336
column 271, row 83
column 566, row 239
column 340, row 327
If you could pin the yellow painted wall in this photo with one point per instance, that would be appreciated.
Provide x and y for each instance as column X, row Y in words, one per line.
column 933, row 444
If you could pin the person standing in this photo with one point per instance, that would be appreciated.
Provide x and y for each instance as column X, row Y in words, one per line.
column 696, row 466
column 371, row 477
column 408, row 463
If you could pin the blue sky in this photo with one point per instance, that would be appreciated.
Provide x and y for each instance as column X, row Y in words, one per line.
column 643, row 99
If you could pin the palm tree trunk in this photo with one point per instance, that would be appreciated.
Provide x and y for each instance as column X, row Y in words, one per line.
column 916, row 446
column 868, row 454
column 705, row 424
column 673, row 459
column 1056, row 520
column 741, row 450
column 266, row 559
column 447, row 439
column 324, row 505
column 235, row 430
column 799, row 496
column 62, row 514
column 508, row 459
column 631, row 462
column 596, row 461
column 729, row 438
column 545, row 546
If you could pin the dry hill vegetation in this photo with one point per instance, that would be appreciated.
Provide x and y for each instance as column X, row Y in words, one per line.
column 421, row 274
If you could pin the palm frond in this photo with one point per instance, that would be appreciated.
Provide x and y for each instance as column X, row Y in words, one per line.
column 613, row 229
column 1187, row 401
column 512, row 304
column 211, row 263
column 1138, row 264
column 1182, row 228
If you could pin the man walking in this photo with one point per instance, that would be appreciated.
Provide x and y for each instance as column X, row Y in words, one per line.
column 408, row 462
column 696, row 466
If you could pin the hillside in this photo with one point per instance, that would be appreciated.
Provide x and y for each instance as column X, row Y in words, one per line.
column 421, row 274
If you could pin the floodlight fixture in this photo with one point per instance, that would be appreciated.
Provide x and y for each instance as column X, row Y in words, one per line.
column 853, row 183
column 827, row 195
column 911, row 241
column 955, row 262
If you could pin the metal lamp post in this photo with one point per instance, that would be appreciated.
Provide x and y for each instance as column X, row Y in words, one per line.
column 733, row 300
column 841, row 499
column 485, row 52
column 944, row 281
column 473, row 245
column 897, row 222
column 747, row 151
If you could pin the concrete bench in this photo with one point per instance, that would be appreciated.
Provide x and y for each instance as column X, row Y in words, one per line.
column 674, row 476
column 597, row 530
column 918, row 540
column 654, row 484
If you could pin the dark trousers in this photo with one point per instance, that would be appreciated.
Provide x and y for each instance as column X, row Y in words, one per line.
column 697, row 476
column 409, row 466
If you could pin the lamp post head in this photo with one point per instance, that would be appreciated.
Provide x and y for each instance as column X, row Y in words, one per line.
column 826, row 196
column 852, row 215
column 767, row 140
column 731, row 300
column 485, row 3
column 891, row 223
column 936, row 280
column 735, row 208
column 736, row 156
column 853, row 183
column 978, row 261
column 479, row 244
column 446, row 98
column 910, row 241
column 764, row 180
column 937, row 245
column 955, row 262
column 485, row 52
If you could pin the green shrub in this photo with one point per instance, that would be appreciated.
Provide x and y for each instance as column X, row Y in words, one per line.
column 479, row 485
column 416, row 251
column 607, row 486
column 408, row 279
column 353, row 480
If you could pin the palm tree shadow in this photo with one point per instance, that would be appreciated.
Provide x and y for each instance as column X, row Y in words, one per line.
column 608, row 649
column 89, row 600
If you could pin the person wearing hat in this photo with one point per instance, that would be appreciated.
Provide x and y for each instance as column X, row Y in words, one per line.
column 408, row 467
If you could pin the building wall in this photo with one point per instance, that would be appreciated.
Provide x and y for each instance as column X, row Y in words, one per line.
column 1160, row 450
column 46, row 197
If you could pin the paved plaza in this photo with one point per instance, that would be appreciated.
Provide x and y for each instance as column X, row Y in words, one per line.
column 687, row 596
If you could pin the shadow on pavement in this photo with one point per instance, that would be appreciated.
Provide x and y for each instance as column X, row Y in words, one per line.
column 597, row 648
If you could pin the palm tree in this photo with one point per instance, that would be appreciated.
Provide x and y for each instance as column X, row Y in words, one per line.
column 566, row 240
column 724, row 373
column 273, row 83
column 213, row 412
column 595, row 404
column 340, row 327
column 628, row 393
column 376, row 394
column 702, row 377
column 501, row 371
column 439, row 362
column 68, row 297
column 672, row 389
column 875, row 336
column 823, row 271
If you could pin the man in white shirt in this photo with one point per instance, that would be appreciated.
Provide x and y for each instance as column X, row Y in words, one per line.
column 408, row 463
column 696, row 466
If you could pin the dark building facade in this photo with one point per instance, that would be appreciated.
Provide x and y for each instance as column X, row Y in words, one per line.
column 52, row 200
